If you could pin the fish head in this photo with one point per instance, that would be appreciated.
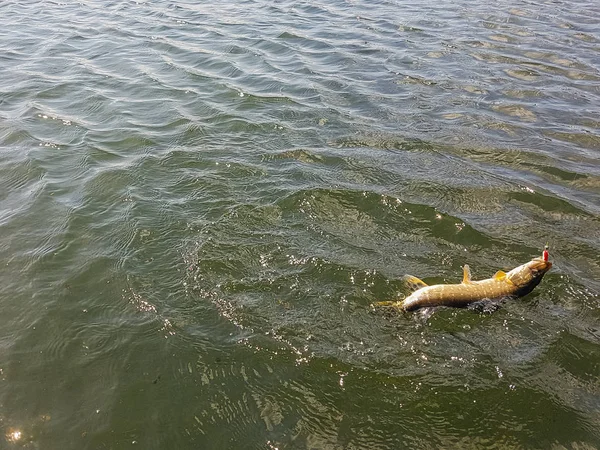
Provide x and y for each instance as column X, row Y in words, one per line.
column 528, row 276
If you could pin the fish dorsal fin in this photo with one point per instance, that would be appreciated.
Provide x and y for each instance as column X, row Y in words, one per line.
column 466, row 274
column 499, row 276
column 413, row 283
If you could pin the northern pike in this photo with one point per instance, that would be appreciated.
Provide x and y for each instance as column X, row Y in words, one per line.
column 518, row 282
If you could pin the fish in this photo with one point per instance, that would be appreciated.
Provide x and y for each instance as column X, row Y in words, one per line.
column 519, row 282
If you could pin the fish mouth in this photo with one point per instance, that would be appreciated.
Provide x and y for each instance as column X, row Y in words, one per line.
column 528, row 276
column 539, row 266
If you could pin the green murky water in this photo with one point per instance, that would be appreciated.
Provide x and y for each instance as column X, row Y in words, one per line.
column 199, row 202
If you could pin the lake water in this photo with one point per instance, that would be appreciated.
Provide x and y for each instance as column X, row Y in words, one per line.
column 199, row 203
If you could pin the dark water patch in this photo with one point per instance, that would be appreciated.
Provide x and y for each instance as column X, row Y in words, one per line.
column 548, row 203
column 577, row 357
column 255, row 300
column 585, row 140
column 300, row 155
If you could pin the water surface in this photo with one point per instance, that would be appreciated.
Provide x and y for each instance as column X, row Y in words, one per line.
column 199, row 202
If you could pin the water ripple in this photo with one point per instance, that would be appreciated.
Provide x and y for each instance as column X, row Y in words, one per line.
column 199, row 204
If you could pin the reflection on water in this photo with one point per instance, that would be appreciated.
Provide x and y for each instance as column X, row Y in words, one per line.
column 199, row 204
column 13, row 436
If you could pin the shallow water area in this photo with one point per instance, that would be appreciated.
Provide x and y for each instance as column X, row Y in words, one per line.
column 200, row 202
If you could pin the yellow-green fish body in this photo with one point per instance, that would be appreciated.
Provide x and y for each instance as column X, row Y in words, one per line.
column 518, row 282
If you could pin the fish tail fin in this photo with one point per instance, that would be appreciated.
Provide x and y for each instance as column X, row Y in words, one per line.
column 390, row 303
column 386, row 304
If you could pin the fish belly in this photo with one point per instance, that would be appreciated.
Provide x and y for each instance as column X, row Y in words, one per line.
column 456, row 294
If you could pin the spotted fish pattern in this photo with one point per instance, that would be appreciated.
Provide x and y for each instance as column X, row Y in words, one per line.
column 518, row 282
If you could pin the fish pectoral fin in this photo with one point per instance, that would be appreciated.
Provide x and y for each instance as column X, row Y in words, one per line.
column 466, row 274
column 499, row 276
column 413, row 283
